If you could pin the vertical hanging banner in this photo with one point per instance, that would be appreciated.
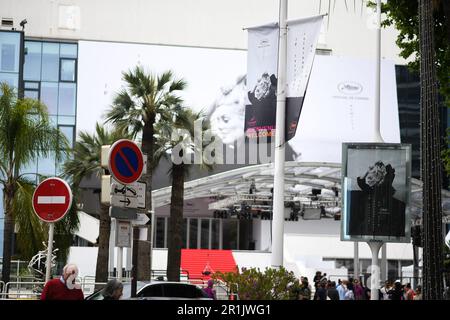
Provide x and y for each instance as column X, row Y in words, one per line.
column 262, row 60
column 302, row 39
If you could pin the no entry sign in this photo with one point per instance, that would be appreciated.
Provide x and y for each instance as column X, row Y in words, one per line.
column 125, row 161
column 52, row 199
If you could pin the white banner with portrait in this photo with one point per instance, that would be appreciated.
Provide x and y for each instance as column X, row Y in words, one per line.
column 262, row 66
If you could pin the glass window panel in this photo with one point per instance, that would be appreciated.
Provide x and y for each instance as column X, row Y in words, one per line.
column 49, row 96
column 159, row 232
column 8, row 57
column 53, row 120
column 193, row 229
column 66, row 120
column 47, row 166
column 215, row 234
column 32, row 67
column 230, row 234
column 9, row 51
column 31, row 85
column 68, row 50
column 29, row 170
column 184, row 245
column 67, row 70
column 69, row 132
column 32, row 94
column 50, row 61
column 12, row 79
column 204, row 243
column 67, row 97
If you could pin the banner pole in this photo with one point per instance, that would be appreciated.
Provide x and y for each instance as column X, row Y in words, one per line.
column 377, row 133
column 278, row 177
column 51, row 230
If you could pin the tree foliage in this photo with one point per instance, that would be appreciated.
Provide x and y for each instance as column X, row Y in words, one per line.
column 252, row 284
column 404, row 15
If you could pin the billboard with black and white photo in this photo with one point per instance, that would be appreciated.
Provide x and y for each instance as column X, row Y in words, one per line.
column 375, row 192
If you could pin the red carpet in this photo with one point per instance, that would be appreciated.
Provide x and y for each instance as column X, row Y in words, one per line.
column 197, row 261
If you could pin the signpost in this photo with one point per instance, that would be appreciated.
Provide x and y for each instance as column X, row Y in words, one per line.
column 51, row 202
column 126, row 165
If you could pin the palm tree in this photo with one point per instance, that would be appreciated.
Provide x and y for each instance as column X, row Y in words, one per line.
column 430, row 157
column 145, row 99
column 177, row 136
column 25, row 135
column 85, row 163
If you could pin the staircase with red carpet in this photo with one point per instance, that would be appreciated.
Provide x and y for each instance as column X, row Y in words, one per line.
column 199, row 261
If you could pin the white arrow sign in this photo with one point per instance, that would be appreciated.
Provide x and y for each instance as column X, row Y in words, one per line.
column 142, row 219
column 124, row 202
column 128, row 196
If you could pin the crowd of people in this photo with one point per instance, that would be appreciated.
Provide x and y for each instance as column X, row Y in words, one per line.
column 353, row 289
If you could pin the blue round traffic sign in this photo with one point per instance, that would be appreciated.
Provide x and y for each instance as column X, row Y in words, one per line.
column 126, row 161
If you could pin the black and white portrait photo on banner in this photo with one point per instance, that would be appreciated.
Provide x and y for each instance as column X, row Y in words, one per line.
column 262, row 69
column 375, row 192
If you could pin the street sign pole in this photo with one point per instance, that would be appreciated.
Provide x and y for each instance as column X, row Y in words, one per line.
column 119, row 263
column 134, row 268
column 51, row 230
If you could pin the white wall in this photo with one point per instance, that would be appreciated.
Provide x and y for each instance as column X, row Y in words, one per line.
column 89, row 227
column 204, row 23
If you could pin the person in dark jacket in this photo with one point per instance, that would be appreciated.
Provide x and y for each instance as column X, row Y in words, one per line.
column 321, row 292
column 397, row 292
column 333, row 294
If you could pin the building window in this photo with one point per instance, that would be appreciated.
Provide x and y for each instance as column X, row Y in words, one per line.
column 68, row 70
column 10, row 53
column 204, row 242
column 32, row 68
column 50, row 62
column 49, row 96
column 159, row 233
column 193, row 233
column 69, row 132
column 230, row 234
column 67, row 99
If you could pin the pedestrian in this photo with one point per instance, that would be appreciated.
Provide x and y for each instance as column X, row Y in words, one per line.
column 113, row 290
column 396, row 293
column 418, row 295
column 317, row 278
column 385, row 291
column 304, row 292
column 332, row 293
column 209, row 290
column 349, row 294
column 321, row 292
column 358, row 290
column 64, row 287
column 341, row 288
column 409, row 292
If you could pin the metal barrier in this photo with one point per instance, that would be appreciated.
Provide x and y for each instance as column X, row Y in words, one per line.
column 9, row 292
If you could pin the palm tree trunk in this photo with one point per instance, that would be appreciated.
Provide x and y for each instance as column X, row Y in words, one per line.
column 176, row 223
column 101, row 272
column 430, row 158
column 148, row 142
column 7, row 233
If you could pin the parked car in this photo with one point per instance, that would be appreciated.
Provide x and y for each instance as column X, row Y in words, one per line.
column 158, row 290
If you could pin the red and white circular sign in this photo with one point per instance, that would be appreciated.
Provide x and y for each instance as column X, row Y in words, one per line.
column 52, row 199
